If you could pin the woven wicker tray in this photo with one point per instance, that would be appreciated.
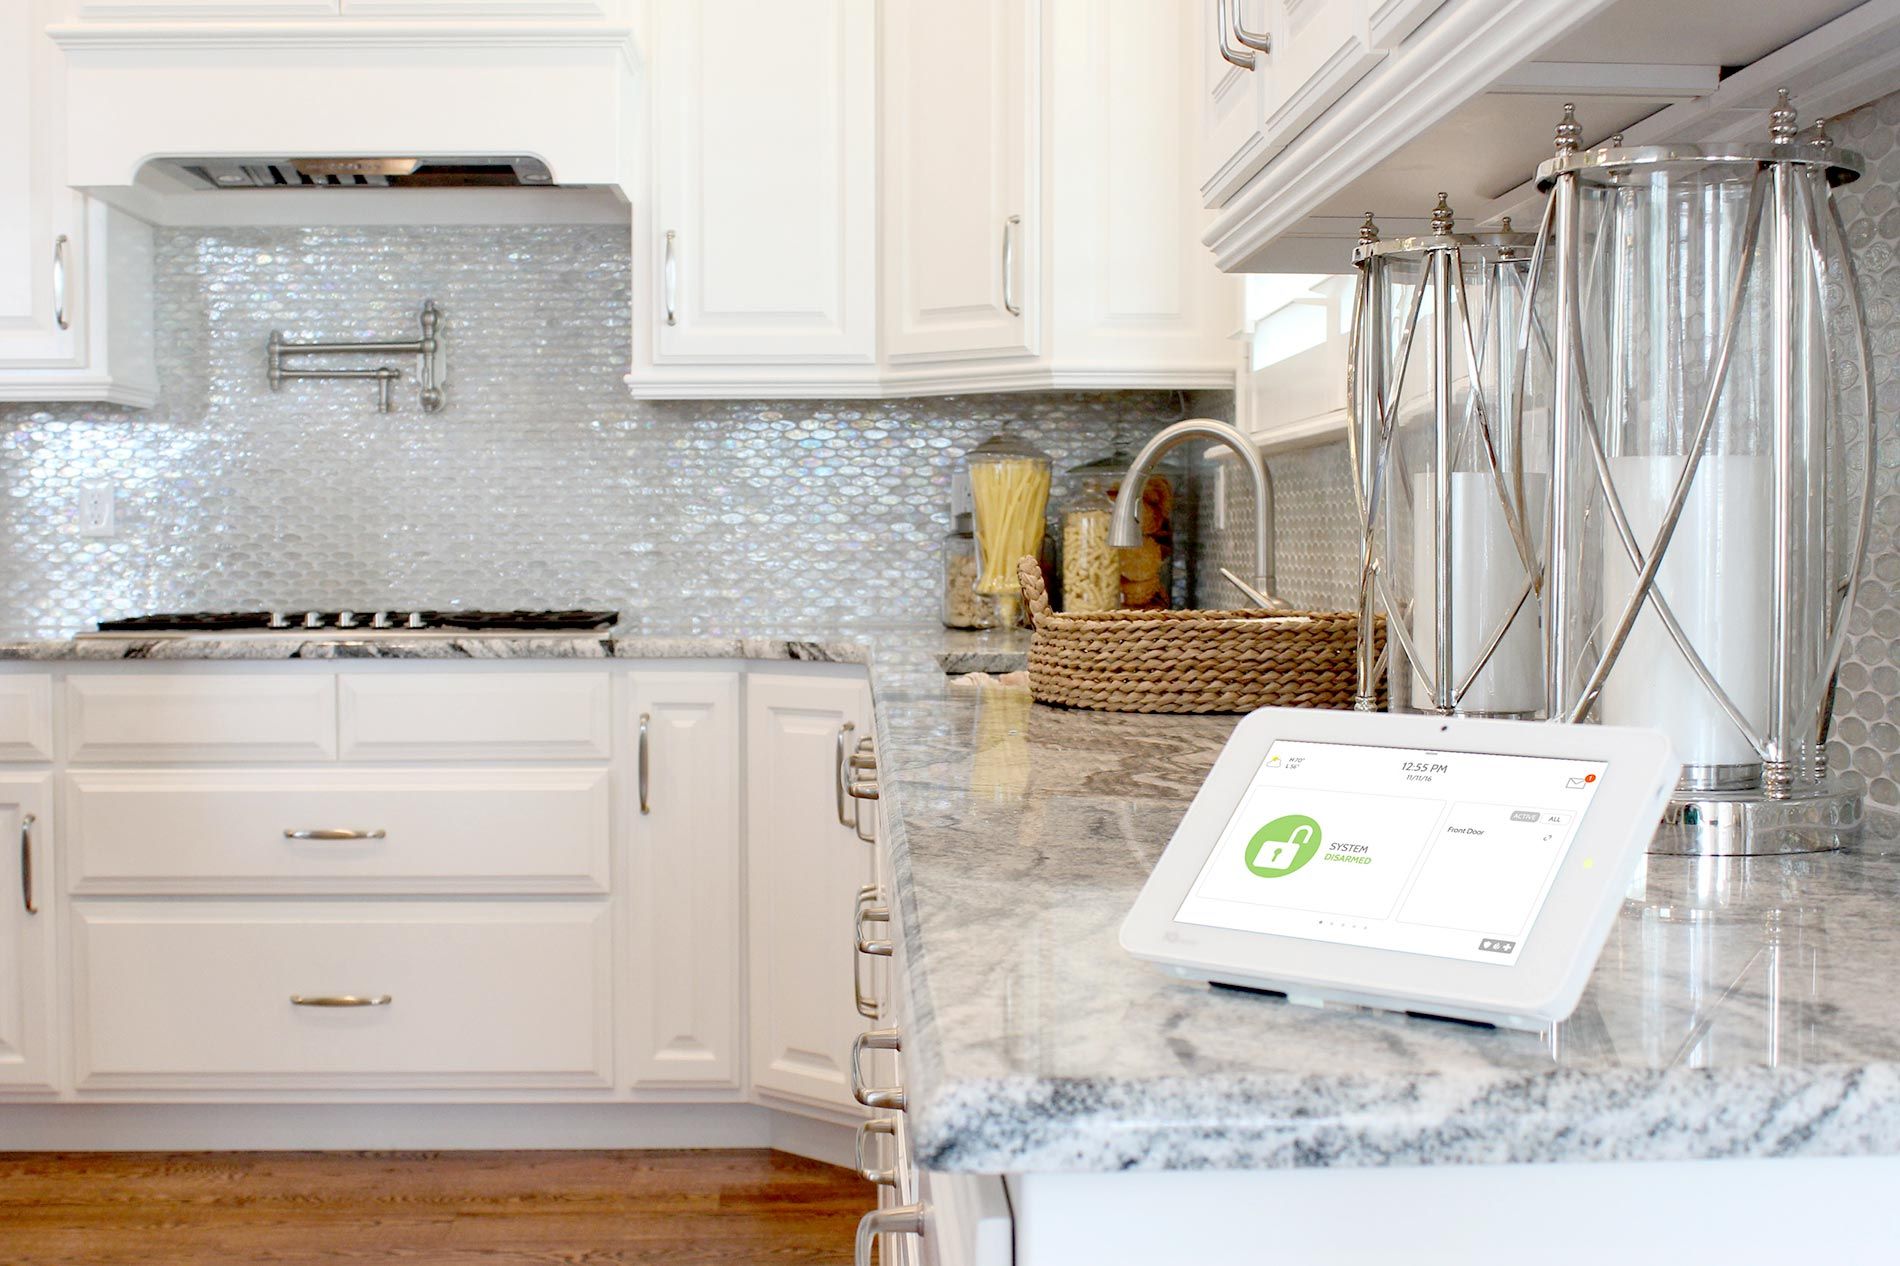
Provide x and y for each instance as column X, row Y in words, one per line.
column 1188, row 661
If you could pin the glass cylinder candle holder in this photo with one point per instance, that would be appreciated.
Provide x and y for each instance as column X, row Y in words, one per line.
column 1009, row 491
column 1689, row 307
column 1448, row 494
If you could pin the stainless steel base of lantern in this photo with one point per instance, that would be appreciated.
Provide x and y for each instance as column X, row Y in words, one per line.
column 1813, row 819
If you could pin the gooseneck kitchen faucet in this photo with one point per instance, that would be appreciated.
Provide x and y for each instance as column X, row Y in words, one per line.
column 1124, row 530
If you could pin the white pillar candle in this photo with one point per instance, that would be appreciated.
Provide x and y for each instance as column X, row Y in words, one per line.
column 1487, row 578
column 1715, row 578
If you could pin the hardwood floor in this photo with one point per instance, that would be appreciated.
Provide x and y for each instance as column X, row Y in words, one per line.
column 425, row 1208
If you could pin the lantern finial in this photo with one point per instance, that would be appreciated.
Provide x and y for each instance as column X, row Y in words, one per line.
column 1442, row 218
column 1368, row 231
column 1781, row 123
column 1818, row 139
column 1569, row 131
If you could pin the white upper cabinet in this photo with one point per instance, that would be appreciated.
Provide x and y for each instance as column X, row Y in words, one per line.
column 762, row 248
column 1350, row 106
column 1137, row 300
column 1270, row 68
column 75, row 277
column 962, row 215
column 1034, row 165
column 1317, row 50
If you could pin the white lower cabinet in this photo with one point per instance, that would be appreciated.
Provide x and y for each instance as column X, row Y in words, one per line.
column 364, row 995
column 804, row 867
column 687, row 915
column 27, row 911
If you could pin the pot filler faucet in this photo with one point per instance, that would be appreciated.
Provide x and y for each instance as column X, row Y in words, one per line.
column 1124, row 532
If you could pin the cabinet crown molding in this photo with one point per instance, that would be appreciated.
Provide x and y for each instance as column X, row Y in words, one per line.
column 304, row 36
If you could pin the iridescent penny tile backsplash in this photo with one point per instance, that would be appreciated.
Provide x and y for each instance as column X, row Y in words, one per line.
column 539, row 484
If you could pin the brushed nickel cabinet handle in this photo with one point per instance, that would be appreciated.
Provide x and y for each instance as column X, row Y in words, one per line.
column 1227, row 19
column 866, row 946
column 336, row 833
column 646, row 723
column 340, row 1000
column 1010, row 305
column 887, row 1126
column 670, row 279
column 1258, row 43
column 902, row 1219
column 844, row 737
column 26, row 862
column 61, row 317
column 890, row 1098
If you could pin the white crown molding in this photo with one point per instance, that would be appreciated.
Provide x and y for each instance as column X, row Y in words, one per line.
column 54, row 385
column 648, row 384
column 343, row 35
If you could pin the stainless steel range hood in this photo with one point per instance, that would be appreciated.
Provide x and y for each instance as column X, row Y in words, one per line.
column 485, row 172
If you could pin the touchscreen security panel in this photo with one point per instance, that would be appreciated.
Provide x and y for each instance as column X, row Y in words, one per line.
column 1449, row 854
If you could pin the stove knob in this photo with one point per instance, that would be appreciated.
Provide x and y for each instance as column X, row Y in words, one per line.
column 313, row 619
column 346, row 619
column 416, row 621
column 278, row 620
column 380, row 620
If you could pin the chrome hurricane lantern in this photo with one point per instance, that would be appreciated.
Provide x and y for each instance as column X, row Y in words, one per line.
column 1702, row 536
column 1449, row 497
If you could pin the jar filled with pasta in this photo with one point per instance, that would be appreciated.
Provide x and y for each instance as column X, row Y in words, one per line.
column 1009, row 492
column 963, row 606
column 1091, row 567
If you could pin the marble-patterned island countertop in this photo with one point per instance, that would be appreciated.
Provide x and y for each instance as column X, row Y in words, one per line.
column 1740, row 1009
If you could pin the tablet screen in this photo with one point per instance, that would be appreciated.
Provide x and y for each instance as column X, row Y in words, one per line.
column 1443, row 853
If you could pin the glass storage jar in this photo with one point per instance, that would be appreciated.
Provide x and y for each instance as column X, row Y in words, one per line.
column 963, row 606
column 1009, row 493
column 1091, row 567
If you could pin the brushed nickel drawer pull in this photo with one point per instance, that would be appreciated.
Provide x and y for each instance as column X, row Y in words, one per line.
column 646, row 724
column 903, row 1219
column 61, row 271
column 882, row 1099
column 339, row 1000
column 26, row 862
column 336, row 833
column 670, row 279
column 886, row 1126
column 874, row 949
column 844, row 736
column 1010, row 305
column 862, row 789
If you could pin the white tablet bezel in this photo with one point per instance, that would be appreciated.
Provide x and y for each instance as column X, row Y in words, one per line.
column 1559, row 951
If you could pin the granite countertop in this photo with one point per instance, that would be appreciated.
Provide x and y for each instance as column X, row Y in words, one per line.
column 1742, row 1008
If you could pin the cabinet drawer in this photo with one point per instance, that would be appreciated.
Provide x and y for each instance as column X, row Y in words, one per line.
column 502, row 715
column 223, row 831
column 26, row 718
column 152, row 716
column 198, row 994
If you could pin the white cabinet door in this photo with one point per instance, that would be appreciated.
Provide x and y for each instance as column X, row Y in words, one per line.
column 803, row 872
column 26, row 931
column 962, row 215
column 1230, row 102
column 763, row 242
column 1320, row 49
column 1134, row 289
column 42, row 225
column 686, row 926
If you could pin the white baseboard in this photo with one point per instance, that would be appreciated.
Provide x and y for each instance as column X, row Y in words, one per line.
column 123, row 1127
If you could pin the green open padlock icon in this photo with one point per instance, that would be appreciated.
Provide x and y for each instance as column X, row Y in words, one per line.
column 1283, row 845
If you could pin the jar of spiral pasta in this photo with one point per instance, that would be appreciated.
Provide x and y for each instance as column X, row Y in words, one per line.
column 1095, row 575
column 1091, row 567
column 1009, row 489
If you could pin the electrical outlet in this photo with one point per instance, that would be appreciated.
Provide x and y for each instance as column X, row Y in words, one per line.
column 95, row 509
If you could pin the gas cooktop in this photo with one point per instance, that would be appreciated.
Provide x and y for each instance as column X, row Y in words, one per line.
column 351, row 624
